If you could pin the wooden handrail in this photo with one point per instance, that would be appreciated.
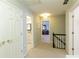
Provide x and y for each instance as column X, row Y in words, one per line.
column 60, row 34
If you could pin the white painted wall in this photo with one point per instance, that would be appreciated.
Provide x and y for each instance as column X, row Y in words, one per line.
column 69, row 33
column 12, row 28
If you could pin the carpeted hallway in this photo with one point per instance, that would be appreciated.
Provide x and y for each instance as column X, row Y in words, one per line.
column 46, row 51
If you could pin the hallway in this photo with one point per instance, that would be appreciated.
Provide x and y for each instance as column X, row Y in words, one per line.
column 24, row 23
column 46, row 51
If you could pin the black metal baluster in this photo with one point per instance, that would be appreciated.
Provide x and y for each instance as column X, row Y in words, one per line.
column 57, row 43
column 53, row 42
column 58, row 40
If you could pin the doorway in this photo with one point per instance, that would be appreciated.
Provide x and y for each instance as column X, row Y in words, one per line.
column 45, row 32
column 29, row 32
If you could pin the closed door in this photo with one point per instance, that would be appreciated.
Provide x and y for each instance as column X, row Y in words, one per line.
column 76, row 31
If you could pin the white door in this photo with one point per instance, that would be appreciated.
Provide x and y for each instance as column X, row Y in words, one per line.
column 76, row 31
column 45, row 32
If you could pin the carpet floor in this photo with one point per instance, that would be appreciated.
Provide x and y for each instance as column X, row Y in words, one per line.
column 46, row 51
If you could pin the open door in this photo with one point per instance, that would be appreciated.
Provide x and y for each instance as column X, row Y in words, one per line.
column 45, row 34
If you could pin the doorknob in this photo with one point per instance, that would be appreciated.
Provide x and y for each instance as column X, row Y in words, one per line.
column 72, row 32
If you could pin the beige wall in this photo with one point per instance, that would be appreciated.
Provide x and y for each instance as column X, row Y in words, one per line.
column 57, row 25
column 36, row 30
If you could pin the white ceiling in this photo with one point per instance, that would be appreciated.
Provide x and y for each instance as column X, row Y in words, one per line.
column 55, row 7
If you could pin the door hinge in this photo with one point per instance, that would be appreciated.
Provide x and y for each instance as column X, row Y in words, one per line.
column 72, row 16
column 72, row 32
column 72, row 48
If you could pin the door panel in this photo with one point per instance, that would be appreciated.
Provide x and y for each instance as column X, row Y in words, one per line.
column 76, row 31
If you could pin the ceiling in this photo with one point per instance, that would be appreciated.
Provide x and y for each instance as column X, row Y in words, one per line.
column 55, row 7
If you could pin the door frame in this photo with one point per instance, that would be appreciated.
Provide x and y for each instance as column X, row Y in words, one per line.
column 26, row 32
column 49, row 29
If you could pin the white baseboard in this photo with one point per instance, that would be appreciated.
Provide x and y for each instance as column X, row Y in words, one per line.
column 72, row 56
